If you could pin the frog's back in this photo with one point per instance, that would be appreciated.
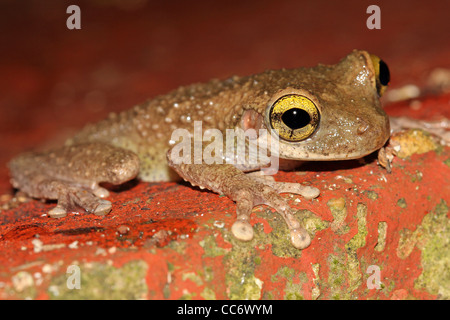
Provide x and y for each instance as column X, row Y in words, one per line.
column 146, row 129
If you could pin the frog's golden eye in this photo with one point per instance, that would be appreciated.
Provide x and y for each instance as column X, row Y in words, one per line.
column 381, row 73
column 295, row 117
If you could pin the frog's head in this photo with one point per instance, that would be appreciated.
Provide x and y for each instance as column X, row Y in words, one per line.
column 331, row 112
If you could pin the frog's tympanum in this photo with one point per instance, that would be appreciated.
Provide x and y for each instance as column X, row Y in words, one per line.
column 317, row 114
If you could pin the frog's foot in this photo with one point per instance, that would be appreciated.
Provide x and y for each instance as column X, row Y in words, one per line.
column 255, row 191
column 99, row 191
column 70, row 196
column 386, row 155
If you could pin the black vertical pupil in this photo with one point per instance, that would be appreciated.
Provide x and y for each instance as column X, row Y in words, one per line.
column 296, row 118
column 385, row 76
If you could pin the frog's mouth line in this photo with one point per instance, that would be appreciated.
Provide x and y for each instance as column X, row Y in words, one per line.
column 293, row 154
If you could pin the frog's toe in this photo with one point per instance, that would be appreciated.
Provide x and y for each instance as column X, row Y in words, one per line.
column 57, row 212
column 91, row 202
column 100, row 192
column 103, row 208
column 242, row 230
column 306, row 192
column 300, row 238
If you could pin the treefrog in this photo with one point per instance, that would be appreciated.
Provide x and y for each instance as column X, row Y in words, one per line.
column 323, row 113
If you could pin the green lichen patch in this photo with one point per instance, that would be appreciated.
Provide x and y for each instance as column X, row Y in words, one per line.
column 336, row 282
column 211, row 248
column 292, row 291
column 406, row 243
column 240, row 267
column 283, row 272
column 311, row 222
column 416, row 176
column 293, row 282
column 242, row 259
column 338, row 209
column 433, row 239
column 447, row 162
column 358, row 241
column 402, row 203
column 192, row 276
column 188, row 295
column 372, row 195
column 177, row 246
column 354, row 275
column 208, row 273
column 414, row 141
column 278, row 238
column 200, row 277
column 344, row 275
column 208, row 294
column 382, row 232
column 336, row 276
column 316, row 290
column 102, row 281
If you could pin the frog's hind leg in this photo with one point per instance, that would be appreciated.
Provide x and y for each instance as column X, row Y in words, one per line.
column 71, row 175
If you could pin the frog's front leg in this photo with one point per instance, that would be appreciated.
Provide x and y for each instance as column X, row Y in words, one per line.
column 248, row 190
column 71, row 175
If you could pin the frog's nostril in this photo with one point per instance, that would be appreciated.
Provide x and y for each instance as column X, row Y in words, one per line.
column 362, row 128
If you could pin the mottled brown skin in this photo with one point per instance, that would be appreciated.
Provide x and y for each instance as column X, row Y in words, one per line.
column 136, row 142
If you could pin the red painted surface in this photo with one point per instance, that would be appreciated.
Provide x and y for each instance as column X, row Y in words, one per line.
column 54, row 80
